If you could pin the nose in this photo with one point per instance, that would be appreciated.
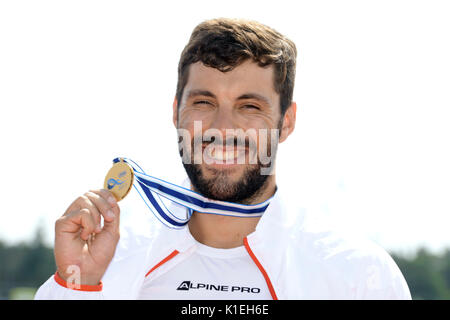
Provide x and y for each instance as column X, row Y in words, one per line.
column 223, row 119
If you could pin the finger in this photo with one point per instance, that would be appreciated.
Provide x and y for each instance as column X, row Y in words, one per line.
column 103, row 206
column 108, row 195
column 110, row 225
column 85, row 202
column 88, row 224
column 76, row 220
column 105, row 194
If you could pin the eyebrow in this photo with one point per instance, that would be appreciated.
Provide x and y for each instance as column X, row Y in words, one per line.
column 199, row 92
column 206, row 93
column 255, row 96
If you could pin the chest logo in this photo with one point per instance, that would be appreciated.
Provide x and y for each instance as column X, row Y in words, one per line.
column 189, row 285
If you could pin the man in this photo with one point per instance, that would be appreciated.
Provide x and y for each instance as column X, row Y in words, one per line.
column 233, row 75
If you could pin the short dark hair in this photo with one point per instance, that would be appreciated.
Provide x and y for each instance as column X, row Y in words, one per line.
column 225, row 43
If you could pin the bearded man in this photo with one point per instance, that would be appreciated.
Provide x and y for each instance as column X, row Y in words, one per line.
column 233, row 105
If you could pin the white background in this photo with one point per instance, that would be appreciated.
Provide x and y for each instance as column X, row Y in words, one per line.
column 82, row 82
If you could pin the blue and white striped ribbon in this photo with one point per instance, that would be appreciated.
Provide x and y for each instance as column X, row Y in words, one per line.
column 157, row 194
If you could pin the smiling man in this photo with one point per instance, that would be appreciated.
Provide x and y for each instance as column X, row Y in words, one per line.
column 233, row 105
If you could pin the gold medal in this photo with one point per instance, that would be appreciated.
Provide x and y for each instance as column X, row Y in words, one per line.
column 119, row 179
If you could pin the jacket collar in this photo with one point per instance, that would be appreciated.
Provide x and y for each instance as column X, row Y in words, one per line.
column 272, row 227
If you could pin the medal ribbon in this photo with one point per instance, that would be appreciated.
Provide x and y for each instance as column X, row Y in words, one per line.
column 158, row 194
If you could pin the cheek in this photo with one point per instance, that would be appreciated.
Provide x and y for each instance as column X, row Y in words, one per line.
column 187, row 119
column 263, row 127
column 255, row 123
column 258, row 120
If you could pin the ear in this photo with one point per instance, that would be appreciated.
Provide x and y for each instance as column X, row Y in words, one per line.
column 288, row 121
column 175, row 112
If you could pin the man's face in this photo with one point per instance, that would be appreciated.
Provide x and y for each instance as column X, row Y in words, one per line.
column 224, row 165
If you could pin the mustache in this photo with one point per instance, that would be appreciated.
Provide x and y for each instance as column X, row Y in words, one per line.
column 260, row 145
column 218, row 142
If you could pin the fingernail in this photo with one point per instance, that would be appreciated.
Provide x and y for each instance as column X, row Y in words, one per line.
column 111, row 200
column 98, row 228
column 110, row 214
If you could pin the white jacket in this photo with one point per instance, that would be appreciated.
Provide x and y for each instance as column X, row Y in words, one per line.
column 298, row 259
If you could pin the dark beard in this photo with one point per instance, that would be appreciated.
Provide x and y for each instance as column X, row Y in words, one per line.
column 250, row 185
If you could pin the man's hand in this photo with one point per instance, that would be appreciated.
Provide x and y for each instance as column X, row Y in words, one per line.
column 81, row 241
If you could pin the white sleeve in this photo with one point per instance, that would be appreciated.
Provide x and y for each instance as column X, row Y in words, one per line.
column 397, row 289
column 51, row 290
column 384, row 280
column 123, row 279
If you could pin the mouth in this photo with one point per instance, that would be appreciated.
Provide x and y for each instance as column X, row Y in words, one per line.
column 224, row 158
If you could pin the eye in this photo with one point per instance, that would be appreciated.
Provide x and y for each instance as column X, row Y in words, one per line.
column 251, row 106
column 202, row 102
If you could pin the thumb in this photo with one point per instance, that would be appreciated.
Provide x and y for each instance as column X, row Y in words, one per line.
column 113, row 224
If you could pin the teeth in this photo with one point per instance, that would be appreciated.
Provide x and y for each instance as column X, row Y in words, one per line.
column 219, row 154
column 223, row 156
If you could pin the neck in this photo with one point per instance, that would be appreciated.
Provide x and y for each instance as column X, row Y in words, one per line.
column 224, row 231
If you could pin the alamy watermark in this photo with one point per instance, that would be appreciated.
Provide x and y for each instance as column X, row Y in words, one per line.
column 74, row 280
column 234, row 146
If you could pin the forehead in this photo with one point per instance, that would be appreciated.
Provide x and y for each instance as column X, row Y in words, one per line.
column 246, row 77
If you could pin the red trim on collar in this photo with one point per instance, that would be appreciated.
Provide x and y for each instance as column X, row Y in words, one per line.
column 159, row 264
column 260, row 267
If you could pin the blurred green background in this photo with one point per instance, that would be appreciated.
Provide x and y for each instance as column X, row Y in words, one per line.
column 24, row 267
